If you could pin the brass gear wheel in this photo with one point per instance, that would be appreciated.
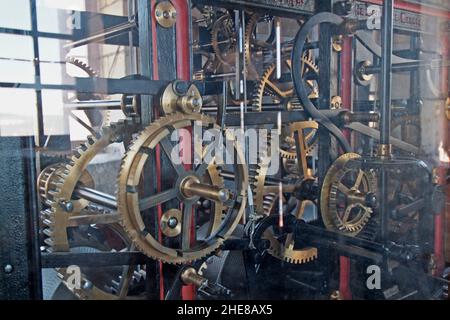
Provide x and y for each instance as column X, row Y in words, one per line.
column 259, row 178
column 285, row 250
column 266, row 197
column 342, row 202
column 251, row 44
column 184, row 190
column 268, row 85
column 63, row 210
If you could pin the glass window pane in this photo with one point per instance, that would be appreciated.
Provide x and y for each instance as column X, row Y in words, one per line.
column 21, row 17
column 17, row 112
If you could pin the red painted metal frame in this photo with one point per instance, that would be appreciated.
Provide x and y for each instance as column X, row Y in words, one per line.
column 347, row 101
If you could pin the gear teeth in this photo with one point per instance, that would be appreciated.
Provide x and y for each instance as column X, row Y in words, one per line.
column 48, row 232
column 49, row 242
column 48, row 222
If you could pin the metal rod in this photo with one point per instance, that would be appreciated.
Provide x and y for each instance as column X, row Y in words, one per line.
column 385, row 123
column 95, row 104
column 105, row 34
column 386, row 71
column 408, row 66
column 96, row 196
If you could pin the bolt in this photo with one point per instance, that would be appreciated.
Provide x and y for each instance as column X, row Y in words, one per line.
column 67, row 205
column 172, row 223
column 158, row 13
column 224, row 195
column 174, row 14
column 196, row 103
column 87, row 285
column 166, row 15
column 181, row 87
column 8, row 268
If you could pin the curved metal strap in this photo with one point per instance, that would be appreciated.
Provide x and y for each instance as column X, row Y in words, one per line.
column 299, row 44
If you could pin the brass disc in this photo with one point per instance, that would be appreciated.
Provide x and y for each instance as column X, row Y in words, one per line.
column 166, row 228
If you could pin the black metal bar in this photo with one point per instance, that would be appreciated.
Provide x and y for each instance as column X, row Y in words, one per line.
column 408, row 66
column 98, row 85
column 113, row 86
column 286, row 8
column 37, row 74
column 146, row 43
column 38, row 34
column 146, row 55
column 92, row 259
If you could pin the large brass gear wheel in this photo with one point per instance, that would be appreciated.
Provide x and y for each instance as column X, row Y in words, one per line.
column 259, row 180
column 343, row 200
column 283, row 91
column 267, row 201
column 185, row 189
column 64, row 210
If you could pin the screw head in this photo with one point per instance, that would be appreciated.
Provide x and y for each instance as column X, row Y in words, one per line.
column 158, row 13
column 87, row 285
column 181, row 87
column 8, row 268
column 67, row 205
column 172, row 223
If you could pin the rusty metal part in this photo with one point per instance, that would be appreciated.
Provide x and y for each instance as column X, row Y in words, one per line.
column 131, row 204
column 171, row 223
column 172, row 101
column 342, row 201
column 166, row 14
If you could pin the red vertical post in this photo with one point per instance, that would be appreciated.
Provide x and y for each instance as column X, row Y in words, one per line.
column 184, row 73
column 347, row 99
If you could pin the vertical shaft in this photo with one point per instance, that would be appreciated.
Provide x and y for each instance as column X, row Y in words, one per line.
column 385, row 79
column 386, row 71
